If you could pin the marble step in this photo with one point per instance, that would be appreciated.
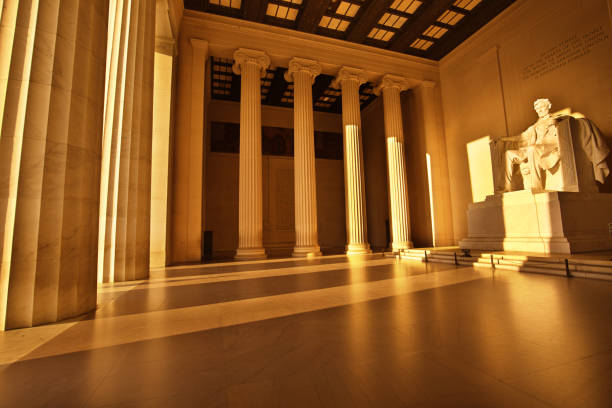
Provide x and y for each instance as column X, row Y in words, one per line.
column 551, row 265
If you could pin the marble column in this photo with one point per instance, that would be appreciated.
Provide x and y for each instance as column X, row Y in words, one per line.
column 391, row 86
column 52, row 71
column 188, row 153
column 303, row 73
column 125, row 190
column 251, row 66
column 349, row 80
column 428, row 98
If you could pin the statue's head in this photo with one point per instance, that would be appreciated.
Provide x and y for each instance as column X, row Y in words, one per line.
column 542, row 107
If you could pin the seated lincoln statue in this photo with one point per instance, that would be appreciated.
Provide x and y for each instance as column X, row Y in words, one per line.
column 558, row 153
column 547, row 195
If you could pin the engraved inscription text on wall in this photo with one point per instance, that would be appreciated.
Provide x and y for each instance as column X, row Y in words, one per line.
column 564, row 52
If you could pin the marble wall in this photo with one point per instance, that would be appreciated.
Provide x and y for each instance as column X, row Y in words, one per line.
column 556, row 49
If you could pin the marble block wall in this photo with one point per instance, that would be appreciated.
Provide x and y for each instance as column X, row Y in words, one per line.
column 52, row 67
column 556, row 49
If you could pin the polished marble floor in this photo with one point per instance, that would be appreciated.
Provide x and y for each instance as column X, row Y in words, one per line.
column 328, row 332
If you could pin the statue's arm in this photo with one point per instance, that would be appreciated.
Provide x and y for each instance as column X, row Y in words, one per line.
column 515, row 138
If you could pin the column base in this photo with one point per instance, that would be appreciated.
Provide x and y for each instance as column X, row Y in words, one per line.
column 250, row 254
column 400, row 246
column 358, row 249
column 307, row 252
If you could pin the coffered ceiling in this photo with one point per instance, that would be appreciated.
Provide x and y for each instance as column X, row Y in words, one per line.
column 424, row 28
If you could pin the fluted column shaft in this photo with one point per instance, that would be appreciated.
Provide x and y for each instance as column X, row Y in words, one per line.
column 124, row 224
column 302, row 72
column 349, row 80
column 250, row 64
column 52, row 57
column 396, row 162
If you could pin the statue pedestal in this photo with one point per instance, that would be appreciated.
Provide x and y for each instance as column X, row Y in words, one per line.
column 550, row 222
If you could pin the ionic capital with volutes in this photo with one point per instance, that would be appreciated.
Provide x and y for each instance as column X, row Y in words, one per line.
column 246, row 56
column 302, row 65
column 393, row 81
column 349, row 74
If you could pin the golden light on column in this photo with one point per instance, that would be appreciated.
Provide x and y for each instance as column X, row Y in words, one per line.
column 165, row 53
column 50, row 132
column 431, row 202
column 391, row 86
column 349, row 80
column 303, row 72
column 251, row 66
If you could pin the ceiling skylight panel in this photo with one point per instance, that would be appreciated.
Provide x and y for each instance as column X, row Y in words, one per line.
column 421, row 44
column 347, row 9
column 380, row 34
column 334, row 23
column 392, row 20
column 450, row 17
column 235, row 4
column 467, row 4
column 435, row 31
column 282, row 12
column 406, row 6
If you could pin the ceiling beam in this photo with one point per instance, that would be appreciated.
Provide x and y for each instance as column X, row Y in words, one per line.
column 311, row 15
column 254, row 10
column 422, row 20
column 372, row 12
column 459, row 10
column 480, row 16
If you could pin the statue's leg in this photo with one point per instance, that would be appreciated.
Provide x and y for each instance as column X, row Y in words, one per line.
column 536, row 174
column 512, row 157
